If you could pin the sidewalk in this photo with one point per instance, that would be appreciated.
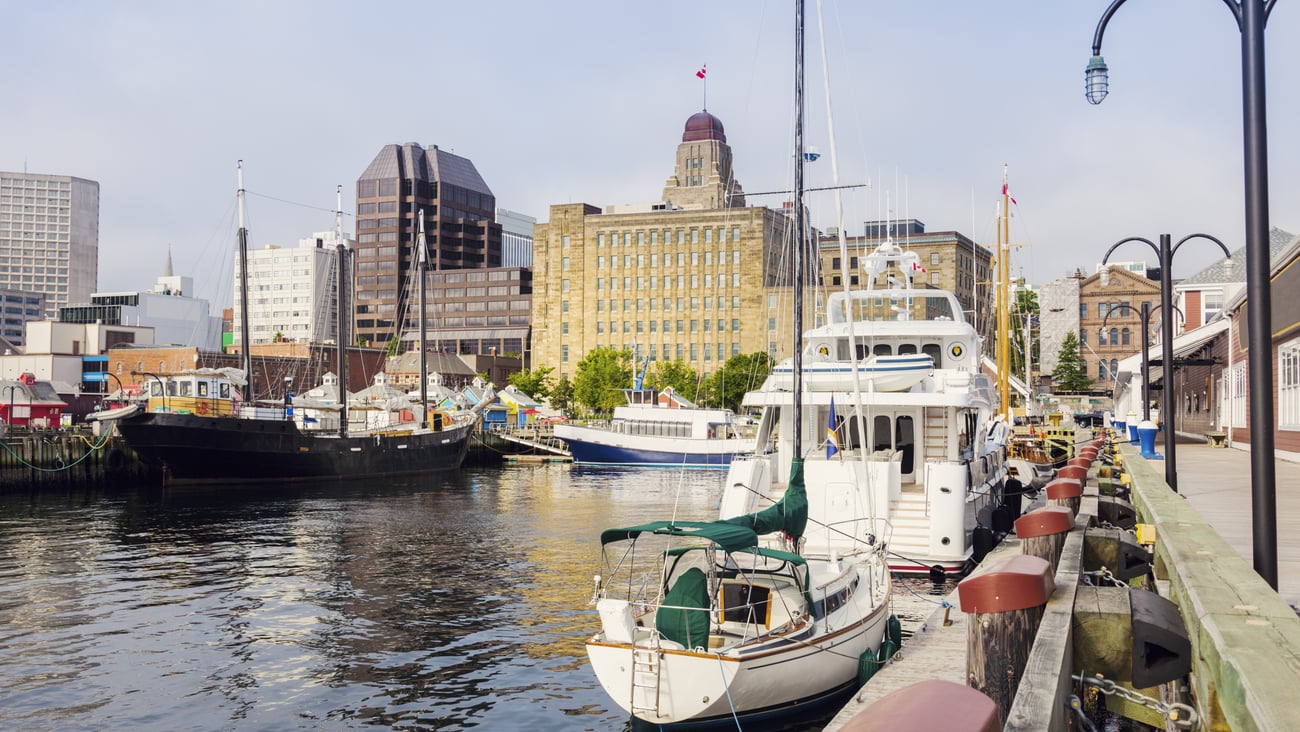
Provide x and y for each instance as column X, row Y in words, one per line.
column 1216, row 482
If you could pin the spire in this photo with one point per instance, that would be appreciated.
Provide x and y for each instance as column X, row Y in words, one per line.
column 167, row 272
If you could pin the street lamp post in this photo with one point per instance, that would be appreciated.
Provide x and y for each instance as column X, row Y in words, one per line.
column 1146, row 363
column 11, row 388
column 1146, row 312
column 1251, row 17
column 162, row 388
column 1165, row 255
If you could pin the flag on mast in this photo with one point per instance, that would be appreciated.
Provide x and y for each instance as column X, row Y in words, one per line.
column 703, row 70
column 832, row 436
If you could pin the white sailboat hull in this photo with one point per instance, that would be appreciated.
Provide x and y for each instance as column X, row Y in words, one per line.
column 775, row 676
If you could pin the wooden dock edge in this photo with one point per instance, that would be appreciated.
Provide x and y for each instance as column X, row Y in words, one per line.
column 938, row 650
column 1245, row 638
column 1046, row 684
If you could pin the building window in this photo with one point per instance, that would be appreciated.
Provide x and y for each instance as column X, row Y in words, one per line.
column 934, row 257
column 1124, row 337
column 564, row 354
column 1083, row 310
column 1288, row 386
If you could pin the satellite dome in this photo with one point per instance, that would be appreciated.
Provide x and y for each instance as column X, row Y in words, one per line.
column 703, row 126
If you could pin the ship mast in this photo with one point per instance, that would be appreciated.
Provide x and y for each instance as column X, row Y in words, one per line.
column 1004, row 303
column 422, row 263
column 799, row 237
column 341, row 307
column 246, row 358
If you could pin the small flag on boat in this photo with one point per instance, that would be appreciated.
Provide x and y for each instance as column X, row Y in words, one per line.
column 832, row 437
column 1008, row 195
column 703, row 70
column 916, row 267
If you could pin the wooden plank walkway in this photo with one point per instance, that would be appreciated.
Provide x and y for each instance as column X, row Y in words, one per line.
column 936, row 650
column 1216, row 482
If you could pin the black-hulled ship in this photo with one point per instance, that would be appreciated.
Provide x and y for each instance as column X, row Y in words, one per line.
column 199, row 428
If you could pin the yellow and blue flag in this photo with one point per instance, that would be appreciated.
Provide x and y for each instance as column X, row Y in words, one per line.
column 832, row 437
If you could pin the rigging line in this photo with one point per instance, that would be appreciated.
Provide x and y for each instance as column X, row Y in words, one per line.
column 292, row 203
column 812, row 190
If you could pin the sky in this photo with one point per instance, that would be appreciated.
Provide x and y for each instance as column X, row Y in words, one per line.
column 567, row 101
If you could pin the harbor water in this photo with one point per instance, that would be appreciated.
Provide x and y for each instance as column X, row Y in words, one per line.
column 447, row 603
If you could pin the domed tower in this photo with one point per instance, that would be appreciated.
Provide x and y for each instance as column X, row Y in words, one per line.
column 703, row 178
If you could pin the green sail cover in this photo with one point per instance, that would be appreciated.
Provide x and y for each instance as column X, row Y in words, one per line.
column 789, row 515
column 690, row 627
column 730, row 537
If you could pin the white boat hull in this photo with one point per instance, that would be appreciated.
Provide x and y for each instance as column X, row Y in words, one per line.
column 775, row 676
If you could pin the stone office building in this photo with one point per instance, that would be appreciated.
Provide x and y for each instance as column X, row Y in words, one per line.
column 697, row 276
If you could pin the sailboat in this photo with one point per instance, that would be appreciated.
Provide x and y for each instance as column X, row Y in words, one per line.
column 204, row 429
column 704, row 622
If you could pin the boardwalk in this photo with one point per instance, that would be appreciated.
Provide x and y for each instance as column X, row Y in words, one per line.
column 1216, row 482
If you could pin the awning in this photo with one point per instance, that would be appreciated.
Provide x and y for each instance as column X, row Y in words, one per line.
column 1184, row 345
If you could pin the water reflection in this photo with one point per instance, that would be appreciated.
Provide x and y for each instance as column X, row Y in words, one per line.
column 445, row 603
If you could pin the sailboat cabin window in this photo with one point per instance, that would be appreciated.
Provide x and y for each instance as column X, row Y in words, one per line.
column 883, row 349
column 224, row 391
column 203, row 388
column 906, row 349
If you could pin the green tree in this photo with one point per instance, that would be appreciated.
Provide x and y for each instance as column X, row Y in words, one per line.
column 600, row 378
column 1026, row 307
column 390, row 349
column 677, row 374
column 536, row 383
column 1071, row 373
column 741, row 373
column 561, row 396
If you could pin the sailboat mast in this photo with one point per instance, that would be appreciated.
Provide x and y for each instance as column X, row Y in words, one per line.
column 1004, row 302
column 246, row 357
column 799, row 234
column 421, row 262
column 341, row 301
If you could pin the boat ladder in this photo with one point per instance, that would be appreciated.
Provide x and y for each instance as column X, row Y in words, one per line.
column 935, row 433
column 645, row 677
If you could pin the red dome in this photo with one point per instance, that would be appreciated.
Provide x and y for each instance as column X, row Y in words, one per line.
column 703, row 126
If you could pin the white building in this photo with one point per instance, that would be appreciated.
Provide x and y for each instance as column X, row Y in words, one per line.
column 71, row 353
column 176, row 317
column 292, row 293
column 516, row 238
column 49, row 236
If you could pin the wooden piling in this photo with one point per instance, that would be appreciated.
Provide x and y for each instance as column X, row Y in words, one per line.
column 1042, row 532
column 1005, row 605
column 1065, row 492
column 1073, row 472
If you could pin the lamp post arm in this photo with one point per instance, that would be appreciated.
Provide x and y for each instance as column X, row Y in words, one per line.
column 1222, row 246
column 1105, row 18
column 1121, row 242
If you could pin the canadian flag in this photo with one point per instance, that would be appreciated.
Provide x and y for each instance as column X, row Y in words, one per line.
column 916, row 267
column 703, row 70
column 1008, row 195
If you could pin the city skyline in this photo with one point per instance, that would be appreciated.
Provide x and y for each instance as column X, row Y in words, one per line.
column 584, row 102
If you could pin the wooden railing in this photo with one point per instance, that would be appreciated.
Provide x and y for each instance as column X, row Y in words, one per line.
column 1245, row 638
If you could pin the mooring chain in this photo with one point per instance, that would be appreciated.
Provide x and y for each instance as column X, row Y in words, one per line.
column 1178, row 714
column 1104, row 575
